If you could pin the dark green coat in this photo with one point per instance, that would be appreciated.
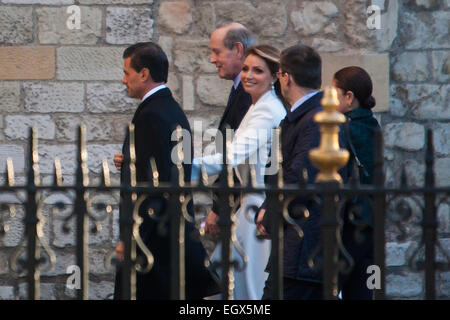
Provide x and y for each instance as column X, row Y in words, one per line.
column 362, row 126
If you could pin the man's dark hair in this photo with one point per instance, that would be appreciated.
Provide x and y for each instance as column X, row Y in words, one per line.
column 148, row 55
column 237, row 34
column 304, row 64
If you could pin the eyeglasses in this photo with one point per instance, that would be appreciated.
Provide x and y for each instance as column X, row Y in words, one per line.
column 280, row 73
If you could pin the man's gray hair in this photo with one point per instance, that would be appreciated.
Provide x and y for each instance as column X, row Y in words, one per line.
column 237, row 34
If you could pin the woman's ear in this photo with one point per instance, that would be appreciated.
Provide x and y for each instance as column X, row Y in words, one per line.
column 349, row 97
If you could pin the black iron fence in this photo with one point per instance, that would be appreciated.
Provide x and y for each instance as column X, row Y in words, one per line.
column 389, row 207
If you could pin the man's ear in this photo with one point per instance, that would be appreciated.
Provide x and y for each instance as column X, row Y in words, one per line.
column 239, row 50
column 145, row 74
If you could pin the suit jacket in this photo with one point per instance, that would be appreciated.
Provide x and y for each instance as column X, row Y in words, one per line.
column 299, row 134
column 154, row 120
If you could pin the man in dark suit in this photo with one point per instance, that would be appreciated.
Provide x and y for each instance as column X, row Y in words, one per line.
column 300, row 80
column 228, row 44
column 145, row 74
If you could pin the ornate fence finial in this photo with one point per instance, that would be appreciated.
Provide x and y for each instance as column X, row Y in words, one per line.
column 328, row 157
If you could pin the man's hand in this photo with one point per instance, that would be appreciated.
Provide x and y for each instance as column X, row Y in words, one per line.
column 211, row 226
column 259, row 225
column 118, row 159
column 120, row 251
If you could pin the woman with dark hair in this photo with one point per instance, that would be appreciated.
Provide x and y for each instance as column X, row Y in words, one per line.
column 354, row 90
column 249, row 147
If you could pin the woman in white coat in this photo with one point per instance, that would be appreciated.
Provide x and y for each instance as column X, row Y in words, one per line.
column 250, row 145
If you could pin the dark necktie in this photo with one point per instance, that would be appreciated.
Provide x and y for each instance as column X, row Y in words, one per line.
column 232, row 92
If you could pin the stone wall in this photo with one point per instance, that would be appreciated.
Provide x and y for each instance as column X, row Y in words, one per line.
column 54, row 76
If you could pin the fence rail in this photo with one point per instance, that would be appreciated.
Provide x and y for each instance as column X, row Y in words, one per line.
column 389, row 206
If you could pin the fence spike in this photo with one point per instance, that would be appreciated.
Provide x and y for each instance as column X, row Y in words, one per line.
column 105, row 178
column 9, row 172
column 57, row 178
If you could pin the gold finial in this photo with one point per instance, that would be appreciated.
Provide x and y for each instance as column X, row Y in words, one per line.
column 328, row 157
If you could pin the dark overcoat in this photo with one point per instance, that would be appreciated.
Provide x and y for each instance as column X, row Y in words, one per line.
column 155, row 119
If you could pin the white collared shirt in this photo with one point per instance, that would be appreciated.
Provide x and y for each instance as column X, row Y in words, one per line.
column 300, row 101
column 155, row 89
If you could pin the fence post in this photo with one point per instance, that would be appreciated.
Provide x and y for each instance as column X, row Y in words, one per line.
column 328, row 157
column 177, row 228
column 80, row 210
column 379, row 215
column 225, row 223
column 31, row 220
column 429, row 222
column 126, row 221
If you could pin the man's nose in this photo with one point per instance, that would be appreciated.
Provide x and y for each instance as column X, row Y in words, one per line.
column 212, row 58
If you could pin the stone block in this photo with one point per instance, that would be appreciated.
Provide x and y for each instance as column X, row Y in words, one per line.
column 407, row 136
column 53, row 29
column 188, row 93
column 213, row 91
column 424, row 101
column 97, row 152
column 443, row 286
column 313, row 17
column 65, row 153
column 175, row 16
column 441, row 172
column 128, row 25
column 377, row 65
column 441, row 136
column 7, row 293
column 410, row 66
column 17, row 127
column 48, row 291
column 96, row 128
column 88, row 63
column 396, row 254
column 10, row 93
column 174, row 85
column 46, row 2
column 386, row 35
column 264, row 18
column 101, row 290
column 440, row 61
column 27, row 63
column 416, row 28
column 127, row 2
column 16, row 25
column 355, row 28
column 4, row 265
column 327, row 45
column 166, row 44
column 192, row 56
column 205, row 18
column 49, row 97
column 408, row 285
column 109, row 98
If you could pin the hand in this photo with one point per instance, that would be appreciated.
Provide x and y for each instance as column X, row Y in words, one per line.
column 211, row 226
column 259, row 225
column 120, row 251
column 118, row 159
